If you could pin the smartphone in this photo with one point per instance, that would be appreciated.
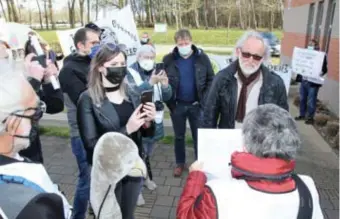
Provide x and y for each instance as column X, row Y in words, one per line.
column 146, row 97
column 159, row 67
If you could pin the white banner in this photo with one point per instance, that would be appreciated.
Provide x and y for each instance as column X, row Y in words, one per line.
column 119, row 29
column 307, row 62
column 285, row 72
column 215, row 147
column 160, row 28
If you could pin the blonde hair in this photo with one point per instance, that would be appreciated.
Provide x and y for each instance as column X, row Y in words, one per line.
column 95, row 82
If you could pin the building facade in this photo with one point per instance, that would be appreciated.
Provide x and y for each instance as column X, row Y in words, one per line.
column 315, row 19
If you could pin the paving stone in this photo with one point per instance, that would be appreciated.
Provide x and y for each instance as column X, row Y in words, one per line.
column 160, row 212
column 172, row 213
column 170, row 181
column 163, row 190
column 332, row 214
column 164, row 200
column 162, row 165
column 159, row 180
column 176, row 191
column 176, row 200
column 167, row 172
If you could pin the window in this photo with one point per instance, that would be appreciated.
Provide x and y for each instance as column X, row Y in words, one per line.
column 329, row 24
column 319, row 16
column 310, row 22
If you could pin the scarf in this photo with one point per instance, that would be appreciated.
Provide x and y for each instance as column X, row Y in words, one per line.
column 242, row 101
column 271, row 175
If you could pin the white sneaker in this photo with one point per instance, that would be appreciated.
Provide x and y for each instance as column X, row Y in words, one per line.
column 151, row 185
column 140, row 200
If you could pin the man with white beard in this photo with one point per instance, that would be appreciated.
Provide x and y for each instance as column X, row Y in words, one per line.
column 245, row 84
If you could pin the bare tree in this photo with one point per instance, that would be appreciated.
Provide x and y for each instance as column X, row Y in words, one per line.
column 50, row 7
column 40, row 15
column 71, row 14
column 88, row 10
column 14, row 11
column 9, row 10
column 3, row 10
column 81, row 7
column 46, row 15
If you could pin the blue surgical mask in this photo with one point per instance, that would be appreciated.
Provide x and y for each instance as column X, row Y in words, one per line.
column 184, row 50
column 94, row 51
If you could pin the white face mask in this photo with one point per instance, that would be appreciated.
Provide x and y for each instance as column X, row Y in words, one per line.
column 147, row 64
column 310, row 47
column 248, row 70
column 184, row 50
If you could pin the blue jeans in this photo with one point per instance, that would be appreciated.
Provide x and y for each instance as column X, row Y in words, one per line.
column 82, row 194
column 179, row 116
column 308, row 98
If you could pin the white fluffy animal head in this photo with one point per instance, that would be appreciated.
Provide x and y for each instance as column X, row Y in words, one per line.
column 115, row 155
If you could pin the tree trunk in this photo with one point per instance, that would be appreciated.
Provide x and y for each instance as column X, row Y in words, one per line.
column 9, row 9
column 81, row 9
column 271, row 22
column 205, row 11
column 3, row 10
column 215, row 13
column 238, row 3
column 50, row 7
column 97, row 9
column 19, row 10
column 197, row 18
column 121, row 3
column 253, row 13
column 228, row 27
column 71, row 4
column 88, row 10
column 46, row 14
column 40, row 15
column 14, row 10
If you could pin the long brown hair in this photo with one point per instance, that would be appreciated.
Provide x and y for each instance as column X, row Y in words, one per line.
column 95, row 83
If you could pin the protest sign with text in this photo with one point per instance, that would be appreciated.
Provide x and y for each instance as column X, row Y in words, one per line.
column 215, row 147
column 120, row 28
column 307, row 62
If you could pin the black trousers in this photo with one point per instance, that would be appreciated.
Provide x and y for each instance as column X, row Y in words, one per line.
column 127, row 192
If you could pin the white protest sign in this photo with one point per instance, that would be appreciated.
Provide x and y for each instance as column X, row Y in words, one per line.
column 307, row 62
column 215, row 147
column 122, row 29
column 118, row 29
column 160, row 28
column 4, row 35
column 285, row 72
column 66, row 40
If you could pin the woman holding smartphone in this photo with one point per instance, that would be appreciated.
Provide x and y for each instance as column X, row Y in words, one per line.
column 108, row 106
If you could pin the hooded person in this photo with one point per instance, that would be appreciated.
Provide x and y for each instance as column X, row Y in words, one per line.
column 115, row 157
column 26, row 190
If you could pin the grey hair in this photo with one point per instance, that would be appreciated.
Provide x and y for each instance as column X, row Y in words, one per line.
column 145, row 49
column 257, row 35
column 270, row 131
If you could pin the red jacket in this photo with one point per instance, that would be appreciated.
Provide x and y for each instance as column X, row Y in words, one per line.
column 197, row 200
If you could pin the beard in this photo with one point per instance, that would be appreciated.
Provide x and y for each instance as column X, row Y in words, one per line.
column 248, row 69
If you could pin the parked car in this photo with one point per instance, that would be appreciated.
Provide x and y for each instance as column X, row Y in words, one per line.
column 274, row 43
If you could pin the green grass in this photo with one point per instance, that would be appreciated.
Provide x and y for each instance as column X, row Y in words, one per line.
column 222, row 53
column 213, row 37
column 64, row 132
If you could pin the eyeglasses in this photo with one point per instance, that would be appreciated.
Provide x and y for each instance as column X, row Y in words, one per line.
column 38, row 112
column 247, row 55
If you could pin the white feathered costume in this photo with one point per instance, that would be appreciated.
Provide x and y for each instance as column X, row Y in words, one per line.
column 115, row 156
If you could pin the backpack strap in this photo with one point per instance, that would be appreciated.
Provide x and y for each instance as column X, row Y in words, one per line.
column 4, row 179
column 306, row 200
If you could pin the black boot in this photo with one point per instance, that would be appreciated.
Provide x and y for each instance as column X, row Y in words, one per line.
column 148, row 167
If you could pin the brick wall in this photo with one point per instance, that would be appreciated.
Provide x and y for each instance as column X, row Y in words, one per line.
column 297, row 3
column 290, row 40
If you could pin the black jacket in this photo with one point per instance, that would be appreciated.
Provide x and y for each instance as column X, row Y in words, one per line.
column 222, row 98
column 94, row 121
column 73, row 75
column 203, row 71
column 54, row 101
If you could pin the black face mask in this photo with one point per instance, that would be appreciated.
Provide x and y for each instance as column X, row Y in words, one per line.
column 111, row 89
column 116, row 75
